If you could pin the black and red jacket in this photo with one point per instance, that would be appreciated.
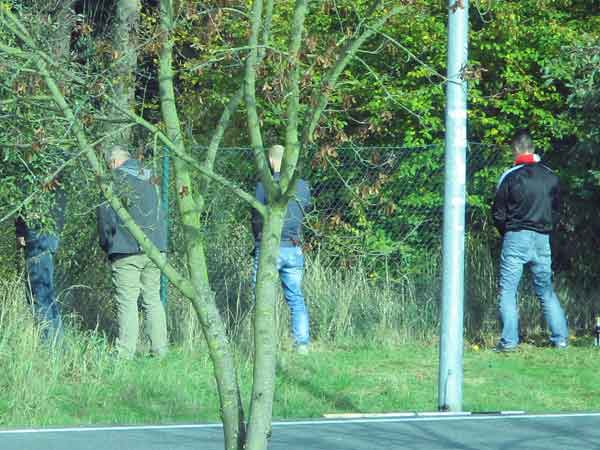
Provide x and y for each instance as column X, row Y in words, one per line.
column 527, row 198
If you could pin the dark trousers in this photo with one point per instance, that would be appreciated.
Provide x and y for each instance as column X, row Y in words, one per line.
column 39, row 253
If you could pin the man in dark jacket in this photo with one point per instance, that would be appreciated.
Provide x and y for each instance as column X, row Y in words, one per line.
column 40, row 241
column 526, row 211
column 290, row 262
column 132, row 271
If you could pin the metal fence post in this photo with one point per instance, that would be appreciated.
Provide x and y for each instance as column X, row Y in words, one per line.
column 164, row 189
column 451, row 332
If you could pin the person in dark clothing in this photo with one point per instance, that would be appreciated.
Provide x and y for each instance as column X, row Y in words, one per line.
column 40, row 242
column 525, row 212
column 132, row 271
column 290, row 262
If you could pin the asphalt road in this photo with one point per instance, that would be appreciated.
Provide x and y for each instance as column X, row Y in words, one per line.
column 476, row 432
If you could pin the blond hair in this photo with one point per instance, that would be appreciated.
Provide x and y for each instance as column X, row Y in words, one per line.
column 276, row 152
column 275, row 157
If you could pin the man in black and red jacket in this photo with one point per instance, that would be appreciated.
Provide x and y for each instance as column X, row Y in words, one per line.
column 525, row 212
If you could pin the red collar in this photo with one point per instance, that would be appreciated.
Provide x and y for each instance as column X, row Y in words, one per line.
column 527, row 158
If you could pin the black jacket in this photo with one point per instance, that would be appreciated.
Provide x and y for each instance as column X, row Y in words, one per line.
column 29, row 228
column 140, row 197
column 527, row 198
column 291, row 234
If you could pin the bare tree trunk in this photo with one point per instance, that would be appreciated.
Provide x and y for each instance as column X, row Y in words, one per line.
column 125, row 54
column 261, row 406
column 265, row 337
column 60, row 42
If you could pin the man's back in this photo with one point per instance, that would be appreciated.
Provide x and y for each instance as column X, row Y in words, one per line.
column 133, row 186
column 528, row 198
column 291, row 233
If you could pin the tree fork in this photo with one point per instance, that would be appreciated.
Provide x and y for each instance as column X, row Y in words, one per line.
column 237, row 98
column 213, row 326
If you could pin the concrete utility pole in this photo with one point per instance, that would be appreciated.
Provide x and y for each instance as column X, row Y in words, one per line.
column 451, row 333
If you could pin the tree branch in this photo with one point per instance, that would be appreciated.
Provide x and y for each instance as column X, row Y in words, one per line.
column 13, row 51
column 235, row 101
column 222, row 125
column 383, row 87
column 266, row 35
column 19, row 206
column 19, row 30
column 292, row 144
column 320, row 98
column 254, row 129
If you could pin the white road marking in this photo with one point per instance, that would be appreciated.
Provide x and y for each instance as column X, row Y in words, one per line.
column 368, row 415
column 421, row 418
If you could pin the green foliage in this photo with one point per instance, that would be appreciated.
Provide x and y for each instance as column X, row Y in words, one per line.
column 574, row 73
column 534, row 64
column 393, row 93
column 38, row 153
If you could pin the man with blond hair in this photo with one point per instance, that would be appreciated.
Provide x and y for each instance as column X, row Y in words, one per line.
column 132, row 271
column 290, row 263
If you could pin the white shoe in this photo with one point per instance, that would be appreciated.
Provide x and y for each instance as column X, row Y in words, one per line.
column 302, row 349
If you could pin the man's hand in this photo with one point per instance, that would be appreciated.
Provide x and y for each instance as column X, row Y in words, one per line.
column 20, row 242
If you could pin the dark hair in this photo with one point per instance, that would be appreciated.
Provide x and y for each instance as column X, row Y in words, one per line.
column 522, row 142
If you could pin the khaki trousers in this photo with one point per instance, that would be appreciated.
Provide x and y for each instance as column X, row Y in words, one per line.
column 132, row 275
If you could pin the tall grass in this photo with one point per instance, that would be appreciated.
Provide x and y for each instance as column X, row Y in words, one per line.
column 345, row 304
column 30, row 368
column 348, row 304
column 347, row 308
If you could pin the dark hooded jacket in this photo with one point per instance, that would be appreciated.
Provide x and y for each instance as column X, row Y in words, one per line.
column 133, row 185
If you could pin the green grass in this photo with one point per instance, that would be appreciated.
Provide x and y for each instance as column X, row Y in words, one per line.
column 374, row 351
column 533, row 379
column 100, row 389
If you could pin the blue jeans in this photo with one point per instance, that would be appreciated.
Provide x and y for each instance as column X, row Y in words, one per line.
column 290, row 265
column 518, row 249
column 39, row 253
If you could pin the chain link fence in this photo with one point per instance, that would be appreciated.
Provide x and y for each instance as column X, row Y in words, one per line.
column 381, row 205
column 372, row 242
column 376, row 217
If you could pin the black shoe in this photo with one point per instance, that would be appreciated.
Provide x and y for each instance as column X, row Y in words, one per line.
column 502, row 348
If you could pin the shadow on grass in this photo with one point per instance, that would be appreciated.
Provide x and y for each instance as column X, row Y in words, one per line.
column 543, row 341
column 339, row 403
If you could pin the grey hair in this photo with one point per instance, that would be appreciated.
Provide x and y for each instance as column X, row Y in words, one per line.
column 117, row 153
